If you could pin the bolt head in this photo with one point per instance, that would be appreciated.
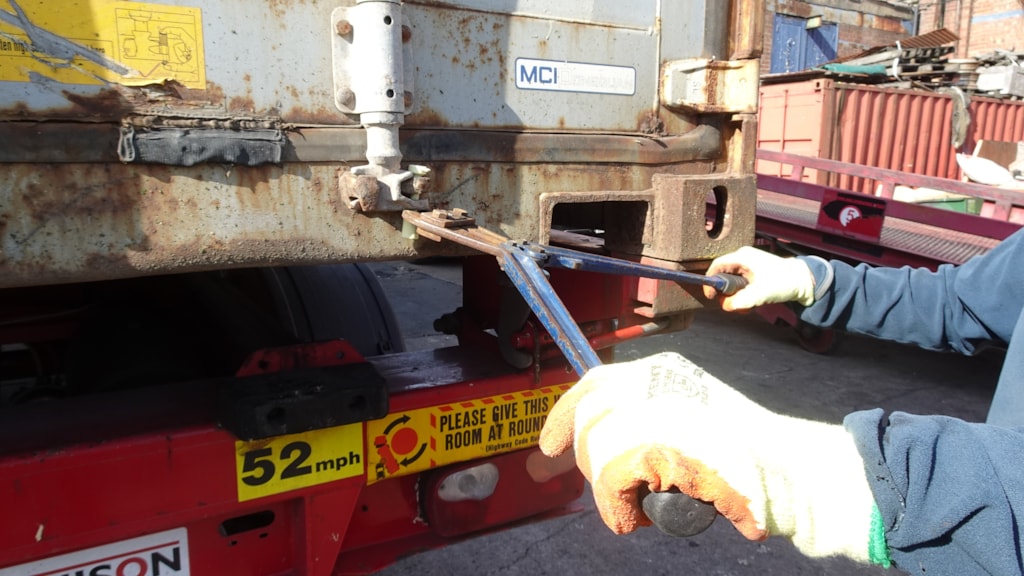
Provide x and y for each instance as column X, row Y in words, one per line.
column 343, row 27
column 347, row 98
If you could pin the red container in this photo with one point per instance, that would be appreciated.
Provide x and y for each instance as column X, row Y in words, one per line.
column 905, row 130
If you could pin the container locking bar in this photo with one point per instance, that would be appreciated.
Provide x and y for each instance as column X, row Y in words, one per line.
column 523, row 263
column 674, row 513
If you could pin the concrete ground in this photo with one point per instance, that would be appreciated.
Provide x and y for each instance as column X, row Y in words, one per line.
column 765, row 363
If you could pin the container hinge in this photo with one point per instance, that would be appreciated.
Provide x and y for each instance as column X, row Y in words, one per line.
column 711, row 86
column 373, row 79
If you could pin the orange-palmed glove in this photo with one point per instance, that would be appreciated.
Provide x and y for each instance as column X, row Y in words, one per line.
column 663, row 422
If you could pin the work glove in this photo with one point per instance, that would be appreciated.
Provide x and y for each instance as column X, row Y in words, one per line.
column 662, row 422
column 771, row 279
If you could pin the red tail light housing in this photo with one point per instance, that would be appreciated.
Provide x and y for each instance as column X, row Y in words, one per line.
column 459, row 499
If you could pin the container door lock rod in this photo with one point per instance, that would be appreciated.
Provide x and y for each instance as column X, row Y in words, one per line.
column 673, row 512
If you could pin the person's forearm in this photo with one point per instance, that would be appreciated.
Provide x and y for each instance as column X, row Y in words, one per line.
column 949, row 492
column 908, row 305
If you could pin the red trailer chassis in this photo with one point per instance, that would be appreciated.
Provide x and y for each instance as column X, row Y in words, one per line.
column 790, row 209
column 797, row 216
column 155, row 461
column 218, row 476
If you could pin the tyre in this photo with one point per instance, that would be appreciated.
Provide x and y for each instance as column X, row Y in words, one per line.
column 317, row 303
column 159, row 330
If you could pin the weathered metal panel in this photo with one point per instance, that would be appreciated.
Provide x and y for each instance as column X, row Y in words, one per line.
column 71, row 210
column 931, row 39
column 635, row 13
column 489, row 53
column 746, row 29
column 258, row 59
column 126, row 223
column 786, row 53
column 790, row 121
column 701, row 29
column 796, row 48
column 905, row 130
column 911, row 131
column 273, row 59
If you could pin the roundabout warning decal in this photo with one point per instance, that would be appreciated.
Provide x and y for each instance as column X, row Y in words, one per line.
column 417, row 440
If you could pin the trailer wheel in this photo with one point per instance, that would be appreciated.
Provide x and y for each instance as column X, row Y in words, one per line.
column 156, row 330
column 318, row 303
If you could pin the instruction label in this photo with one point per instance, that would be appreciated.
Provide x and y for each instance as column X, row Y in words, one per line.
column 286, row 463
column 101, row 41
column 161, row 554
column 417, row 440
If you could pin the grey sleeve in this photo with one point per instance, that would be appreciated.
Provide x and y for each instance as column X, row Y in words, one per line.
column 957, row 308
column 950, row 492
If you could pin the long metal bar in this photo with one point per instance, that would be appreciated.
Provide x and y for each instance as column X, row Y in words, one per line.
column 673, row 512
column 526, row 275
column 554, row 257
column 84, row 142
column 523, row 263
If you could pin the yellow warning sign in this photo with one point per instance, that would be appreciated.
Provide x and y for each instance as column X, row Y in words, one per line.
column 101, row 41
column 285, row 463
column 417, row 440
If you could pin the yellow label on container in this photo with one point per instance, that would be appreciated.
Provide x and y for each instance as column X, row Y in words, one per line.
column 101, row 41
column 285, row 463
column 417, row 440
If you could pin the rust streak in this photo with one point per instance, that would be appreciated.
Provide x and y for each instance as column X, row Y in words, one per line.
column 241, row 104
column 425, row 117
column 650, row 123
column 106, row 104
column 213, row 94
column 322, row 116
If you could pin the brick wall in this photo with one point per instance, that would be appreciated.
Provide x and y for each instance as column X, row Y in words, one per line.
column 993, row 24
column 858, row 30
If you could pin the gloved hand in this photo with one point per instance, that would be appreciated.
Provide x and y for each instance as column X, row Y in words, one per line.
column 771, row 279
column 663, row 422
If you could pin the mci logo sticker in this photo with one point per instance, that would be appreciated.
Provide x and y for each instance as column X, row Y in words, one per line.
column 556, row 76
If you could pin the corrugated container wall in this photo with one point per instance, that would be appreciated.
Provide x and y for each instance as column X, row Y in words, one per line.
column 905, row 130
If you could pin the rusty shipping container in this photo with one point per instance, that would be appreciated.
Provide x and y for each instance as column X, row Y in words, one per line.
column 194, row 135
column 905, row 130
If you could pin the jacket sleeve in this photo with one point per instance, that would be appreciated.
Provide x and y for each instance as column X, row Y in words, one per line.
column 950, row 492
column 957, row 308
